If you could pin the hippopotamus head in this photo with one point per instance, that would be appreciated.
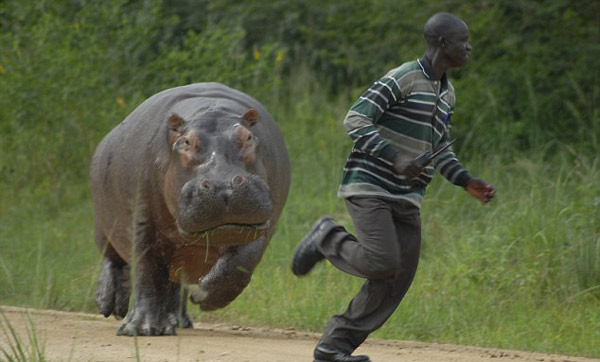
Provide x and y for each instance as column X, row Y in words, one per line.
column 216, row 178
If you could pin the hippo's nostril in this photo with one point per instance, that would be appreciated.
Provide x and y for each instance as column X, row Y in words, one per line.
column 237, row 180
column 206, row 184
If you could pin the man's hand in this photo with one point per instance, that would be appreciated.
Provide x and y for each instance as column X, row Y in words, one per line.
column 410, row 168
column 481, row 190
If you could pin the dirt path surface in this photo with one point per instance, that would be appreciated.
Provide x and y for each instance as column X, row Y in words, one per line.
column 87, row 337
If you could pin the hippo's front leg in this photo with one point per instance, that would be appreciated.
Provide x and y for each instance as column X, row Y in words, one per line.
column 156, row 299
column 230, row 275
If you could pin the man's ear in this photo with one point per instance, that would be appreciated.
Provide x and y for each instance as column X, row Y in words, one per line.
column 251, row 117
column 442, row 41
column 174, row 123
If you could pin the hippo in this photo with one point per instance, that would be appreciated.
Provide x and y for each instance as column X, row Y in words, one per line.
column 187, row 192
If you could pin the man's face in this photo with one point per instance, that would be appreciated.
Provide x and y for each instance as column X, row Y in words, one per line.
column 457, row 48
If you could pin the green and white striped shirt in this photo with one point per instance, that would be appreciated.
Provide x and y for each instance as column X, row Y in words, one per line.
column 404, row 112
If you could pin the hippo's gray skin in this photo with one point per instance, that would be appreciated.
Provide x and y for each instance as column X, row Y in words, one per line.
column 187, row 190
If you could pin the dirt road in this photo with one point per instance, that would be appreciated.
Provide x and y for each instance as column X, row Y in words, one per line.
column 87, row 337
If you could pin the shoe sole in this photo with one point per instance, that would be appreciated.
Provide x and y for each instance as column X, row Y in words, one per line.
column 323, row 360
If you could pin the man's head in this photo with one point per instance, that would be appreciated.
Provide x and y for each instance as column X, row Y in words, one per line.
column 448, row 37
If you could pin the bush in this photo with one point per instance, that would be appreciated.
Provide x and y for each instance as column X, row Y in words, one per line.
column 77, row 71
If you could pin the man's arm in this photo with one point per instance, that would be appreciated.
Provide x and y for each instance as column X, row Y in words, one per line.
column 448, row 165
column 364, row 114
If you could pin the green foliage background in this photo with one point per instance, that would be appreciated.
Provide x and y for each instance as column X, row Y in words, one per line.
column 521, row 273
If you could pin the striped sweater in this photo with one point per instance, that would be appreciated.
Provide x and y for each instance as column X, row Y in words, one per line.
column 405, row 112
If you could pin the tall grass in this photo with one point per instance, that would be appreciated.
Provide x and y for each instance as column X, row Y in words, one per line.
column 17, row 349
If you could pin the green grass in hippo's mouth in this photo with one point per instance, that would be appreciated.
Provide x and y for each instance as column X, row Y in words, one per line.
column 229, row 234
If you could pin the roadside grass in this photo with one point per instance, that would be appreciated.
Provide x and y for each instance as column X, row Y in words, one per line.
column 48, row 260
column 522, row 272
column 17, row 349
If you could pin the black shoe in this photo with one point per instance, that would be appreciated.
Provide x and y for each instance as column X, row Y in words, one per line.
column 307, row 254
column 328, row 354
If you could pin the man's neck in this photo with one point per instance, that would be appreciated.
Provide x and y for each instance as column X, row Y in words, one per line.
column 438, row 64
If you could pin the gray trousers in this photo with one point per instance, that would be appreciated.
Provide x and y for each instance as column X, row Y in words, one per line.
column 385, row 252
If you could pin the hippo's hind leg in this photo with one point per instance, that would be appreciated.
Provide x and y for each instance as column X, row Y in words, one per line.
column 178, row 303
column 230, row 275
column 113, row 288
column 112, row 291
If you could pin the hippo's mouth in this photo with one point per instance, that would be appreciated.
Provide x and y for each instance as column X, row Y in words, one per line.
column 228, row 234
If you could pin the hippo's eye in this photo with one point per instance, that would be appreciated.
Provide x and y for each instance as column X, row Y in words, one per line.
column 189, row 144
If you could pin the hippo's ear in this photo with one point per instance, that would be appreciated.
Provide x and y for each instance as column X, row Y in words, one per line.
column 251, row 117
column 174, row 122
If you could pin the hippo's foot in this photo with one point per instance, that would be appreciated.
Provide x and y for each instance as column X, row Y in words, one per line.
column 228, row 277
column 112, row 292
column 157, row 312
column 209, row 298
column 144, row 322
column 184, row 321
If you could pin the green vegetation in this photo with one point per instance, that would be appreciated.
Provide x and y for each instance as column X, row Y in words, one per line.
column 520, row 273
column 17, row 349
